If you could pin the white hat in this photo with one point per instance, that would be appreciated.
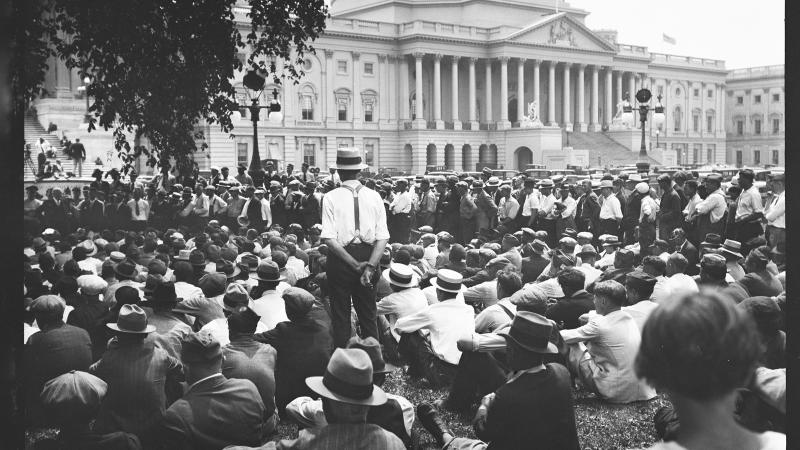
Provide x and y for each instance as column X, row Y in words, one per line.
column 448, row 281
column 91, row 284
column 400, row 275
column 349, row 159
column 642, row 188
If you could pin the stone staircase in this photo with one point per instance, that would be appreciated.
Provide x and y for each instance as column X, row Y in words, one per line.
column 34, row 131
column 609, row 152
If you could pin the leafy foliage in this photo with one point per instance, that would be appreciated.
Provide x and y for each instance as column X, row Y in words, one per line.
column 159, row 68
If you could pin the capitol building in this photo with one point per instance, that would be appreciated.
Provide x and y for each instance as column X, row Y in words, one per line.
column 454, row 83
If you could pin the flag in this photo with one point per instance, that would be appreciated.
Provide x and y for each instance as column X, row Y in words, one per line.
column 669, row 39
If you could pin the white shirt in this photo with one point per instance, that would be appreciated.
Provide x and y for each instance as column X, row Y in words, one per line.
column 308, row 412
column 28, row 331
column 692, row 205
column 91, row 264
column 338, row 220
column 218, row 204
column 776, row 211
column 532, row 201
column 590, row 274
column 431, row 252
column 749, row 202
column 640, row 311
column 201, row 205
column 547, row 203
column 673, row 287
column 571, row 204
column 187, row 291
column 266, row 212
column 444, row 323
column 610, row 209
column 144, row 209
column 271, row 308
column 402, row 304
column 607, row 260
column 401, row 204
column 297, row 267
column 649, row 209
column 219, row 329
column 508, row 208
column 714, row 204
column 481, row 292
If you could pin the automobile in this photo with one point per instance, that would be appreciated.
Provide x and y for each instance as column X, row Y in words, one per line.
column 475, row 175
column 562, row 172
column 727, row 172
column 504, row 174
column 537, row 171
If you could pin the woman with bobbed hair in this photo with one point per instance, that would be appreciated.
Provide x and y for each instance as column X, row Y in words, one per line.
column 701, row 349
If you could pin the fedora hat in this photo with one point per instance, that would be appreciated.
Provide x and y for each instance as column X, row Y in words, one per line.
column 373, row 349
column 268, row 271
column 400, row 275
column 250, row 261
column 712, row 240
column 448, row 281
column 228, row 268
column 606, row 184
column 493, row 181
column 89, row 246
column 164, row 293
column 610, row 240
column 587, row 249
column 531, row 332
column 133, row 320
column 349, row 159
column 546, row 183
column 235, row 297
column 348, row 379
column 731, row 248
column 126, row 268
column 197, row 258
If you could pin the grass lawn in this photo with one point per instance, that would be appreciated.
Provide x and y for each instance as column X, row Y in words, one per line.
column 601, row 425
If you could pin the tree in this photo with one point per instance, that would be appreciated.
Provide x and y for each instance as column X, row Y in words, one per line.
column 160, row 67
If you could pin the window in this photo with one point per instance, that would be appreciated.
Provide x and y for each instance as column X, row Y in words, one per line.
column 739, row 127
column 678, row 92
column 710, row 124
column 307, row 108
column 775, row 157
column 677, row 117
column 740, row 100
column 368, row 112
column 710, row 151
column 368, row 68
column 661, row 91
column 756, row 157
column 739, row 158
column 696, row 151
column 756, row 99
column 308, row 154
column 776, row 126
column 710, row 93
column 697, row 92
column 776, row 97
column 241, row 153
column 341, row 67
column 696, row 123
column 369, row 154
column 342, row 110
column 757, row 126
column 343, row 145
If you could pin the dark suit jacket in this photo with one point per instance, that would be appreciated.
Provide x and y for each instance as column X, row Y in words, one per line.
column 568, row 309
column 304, row 348
column 215, row 413
column 691, row 254
column 532, row 267
column 389, row 416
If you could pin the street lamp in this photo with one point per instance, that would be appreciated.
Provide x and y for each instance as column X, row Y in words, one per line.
column 254, row 82
column 657, row 133
column 643, row 97
column 85, row 90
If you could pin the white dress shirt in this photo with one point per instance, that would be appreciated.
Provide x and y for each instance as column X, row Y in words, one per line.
column 640, row 311
column 590, row 274
column 547, row 203
column 271, row 307
column 482, row 292
column 402, row 304
column 144, row 209
column 431, row 252
column 673, row 287
column 692, row 205
column 508, row 208
column 714, row 204
column 216, row 206
column 308, row 412
column 610, row 209
column 649, row 209
column 338, row 220
column 201, row 205
column 532, row 201
column 749, row 202
column 401, row 204
column 571, row 204
column 444, row 323
column 776, row 211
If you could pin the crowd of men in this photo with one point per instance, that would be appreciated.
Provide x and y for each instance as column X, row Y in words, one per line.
column 200, row 313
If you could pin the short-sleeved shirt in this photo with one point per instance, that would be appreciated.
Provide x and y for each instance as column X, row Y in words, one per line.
column 338, row 215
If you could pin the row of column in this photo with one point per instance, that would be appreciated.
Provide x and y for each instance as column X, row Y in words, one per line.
column 635, row 82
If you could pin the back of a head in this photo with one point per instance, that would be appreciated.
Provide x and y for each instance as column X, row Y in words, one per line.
column 509, row 281
column 402, row 257
column 700, row 346
column 676, row 263
column 612, row 291
column 653, row 265
column 571, row 279
column 279, row 258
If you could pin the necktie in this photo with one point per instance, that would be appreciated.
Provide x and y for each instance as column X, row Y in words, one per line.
column 136, row 202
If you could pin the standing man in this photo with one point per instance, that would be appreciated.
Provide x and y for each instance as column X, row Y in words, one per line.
column 306, row 176
column 749, row 209
column 547, row 216
column 354, row 229
column 243, row 178
column 216, row 205
column 140, row 211
column 312, row 204
column 623, row 201
column 78, row 154
column 530, row 204
column 588, row 209
column 426, row 212
column 234, row 209
column 257, row 211
column 565, row 205
column 610, row 210
column 775, row 216
column 467, row 210
column 487, row 209
column 711, row 211
column 670, row 209
column 277, row 203
column 507, row 211
column 400, row 208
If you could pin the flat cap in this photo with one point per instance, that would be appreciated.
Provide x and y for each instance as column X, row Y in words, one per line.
column 444, row 236
column 299, row 302
column 92, row 284
column 585, row 235
column 511, row 240
column 73, row 397
column 212, row 284
column 48, row 304
column 639, row 278
column 200, row 347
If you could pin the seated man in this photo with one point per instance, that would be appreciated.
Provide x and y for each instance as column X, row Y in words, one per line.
column 601, row 353
column 638, row 289
column 498, row 313
column 433, row 354
column 566, row 311
column 534, row 265
column 587, row 256
column 235, row 297
column 215, row 411
column 712, row 272
column 534, row 405
column 396, row 415
column 677, row 281
column 623, row 264
column 406, row 298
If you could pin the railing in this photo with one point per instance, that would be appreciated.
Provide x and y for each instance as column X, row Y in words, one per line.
column 308, row 123
column 687, row 60
column 488, row 126
column 754, row 72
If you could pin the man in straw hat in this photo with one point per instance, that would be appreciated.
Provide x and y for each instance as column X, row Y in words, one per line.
column 406, row 297
column 234, row 299
column 268, row 302
column 354, row 229
column 138, row 374
column 435, row 355
column 215, row 411
column 533, row 405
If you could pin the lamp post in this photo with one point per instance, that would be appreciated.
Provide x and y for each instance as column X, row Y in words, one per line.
column 643, row 97
column 254, row 82
column 85, row 90
column 657, row 133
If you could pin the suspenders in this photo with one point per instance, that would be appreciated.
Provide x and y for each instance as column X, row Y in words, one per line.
column 355, row 212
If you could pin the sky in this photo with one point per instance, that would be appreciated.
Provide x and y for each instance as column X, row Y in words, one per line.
column 743, row 34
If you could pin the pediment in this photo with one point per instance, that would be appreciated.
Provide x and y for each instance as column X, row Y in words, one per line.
column 560, row 30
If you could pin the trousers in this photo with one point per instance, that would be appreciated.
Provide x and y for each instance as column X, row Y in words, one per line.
column 422, row 362
column 345, row 289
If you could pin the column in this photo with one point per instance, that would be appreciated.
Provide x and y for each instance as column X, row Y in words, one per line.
column 703, row 113
column 437, row 91
column 593, row 123
column 392, row 91
column 609, row 109
column 405, row 103
column 551, row 94
column 581, row 105
column 383, row 105
column 472, row 94
column 454, row 92
column 520, row 88
column 488, row 107
column 566, row 107
column 330, row 101
column 504, row 123
column 632, row 97
column 619, row 92
column 357, row 118
column 536, row 63
column 721, row 109
column 420, row 120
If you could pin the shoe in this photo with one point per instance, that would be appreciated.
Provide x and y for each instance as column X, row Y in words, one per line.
column 429, row 417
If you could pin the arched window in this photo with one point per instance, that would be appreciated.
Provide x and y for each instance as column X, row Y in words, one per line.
column 369, row 102
column 710, row 120
column 343, row 96
column 678, row 119
column 307, row 97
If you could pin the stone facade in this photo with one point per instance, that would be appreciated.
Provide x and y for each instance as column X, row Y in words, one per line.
column 755, row 118
column 418, row 83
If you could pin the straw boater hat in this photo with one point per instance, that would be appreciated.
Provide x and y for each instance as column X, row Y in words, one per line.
column 731, row 248
column 531, row 332
column 448, row 281
column 400, row 275
column 348, row 379
column 349, row 159
column 132, row 320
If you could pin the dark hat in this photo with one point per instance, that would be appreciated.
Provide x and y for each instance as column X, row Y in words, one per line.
column 569, row 232
column 448, row 281
column 747, row 173
column 197, row 258
column 477, row 185
column 660, row 243
column 250, row 261
column 157, row 267
column 268, row 271
column 150, row 284
column 731, row 249
column 227, row 268
column 131, row 320
column 39, row 244
column 126, row 268
column 531, row 332
column 73, row 397
column 510, row 239
column 212, row 284
column 638, row 279
column 664, row 178
column 235, row 297
column 298, row 302
column 712, row 240
column 444, row 236
column 243, row 320
column 778, row 176
column 32, row 188
column 625, row 258
column 373, row 349
column 713, row 260
column 200, row 347
column 586, row 250
column 457, row 253
column 348, row 379
column 538, row 246
column 714, row 177
column 164, row 294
